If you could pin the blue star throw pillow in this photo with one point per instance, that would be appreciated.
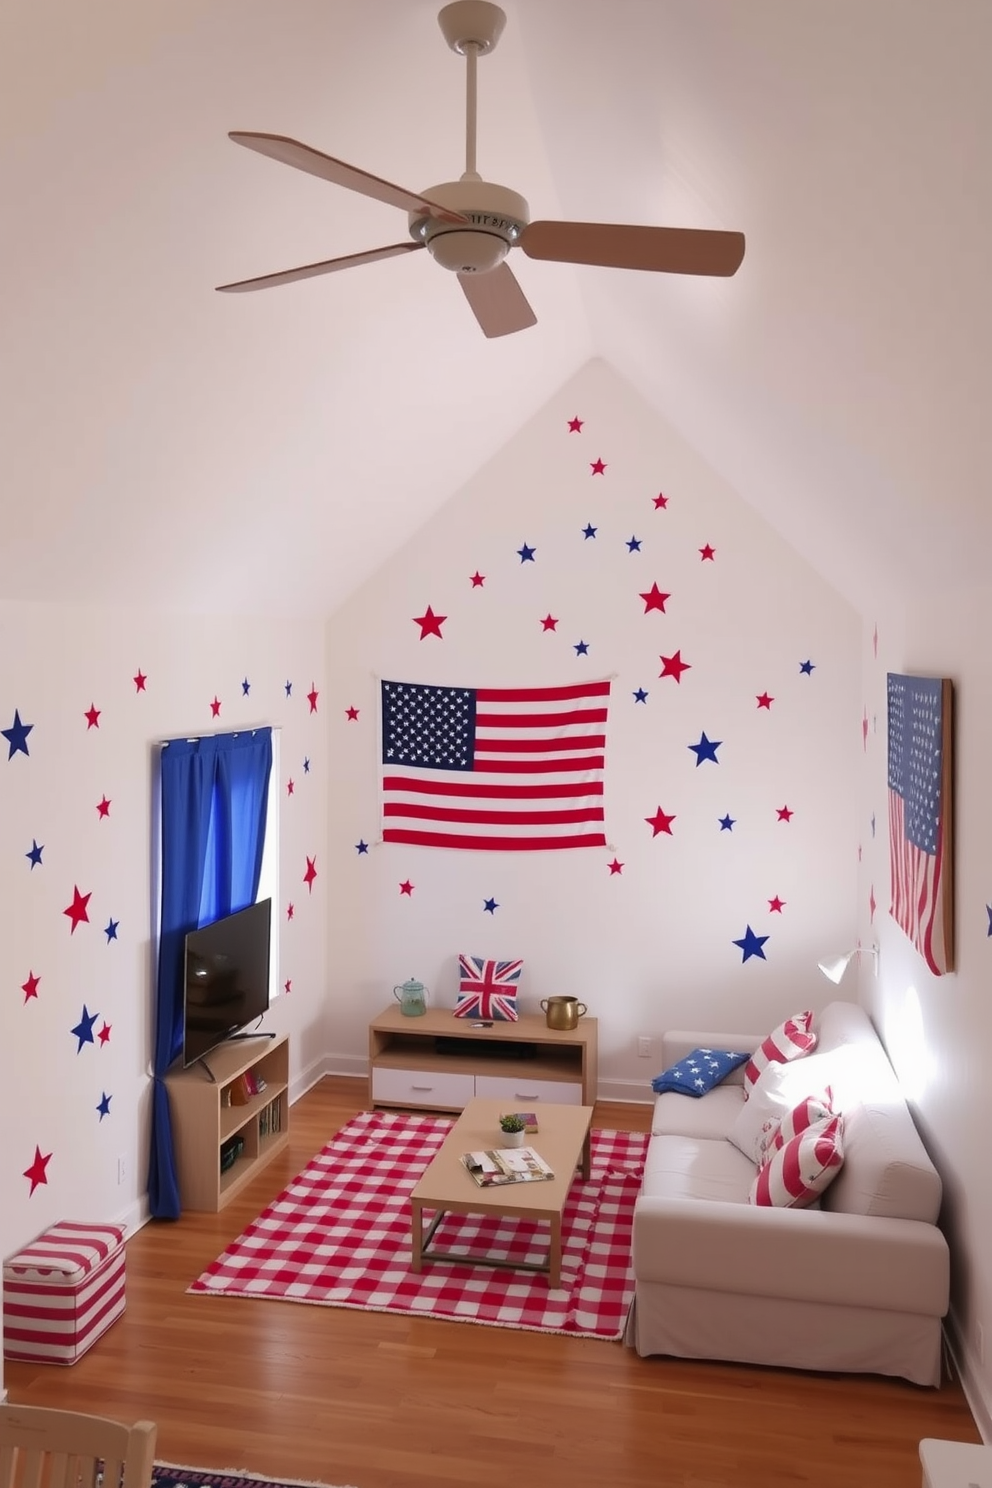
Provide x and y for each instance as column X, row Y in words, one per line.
column 698, row 1072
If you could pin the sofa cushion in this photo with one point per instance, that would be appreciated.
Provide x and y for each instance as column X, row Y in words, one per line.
column 698, row 1072
column 709, row 1119
column 801, row 1169
column 694, row 1168
column 788, row 1041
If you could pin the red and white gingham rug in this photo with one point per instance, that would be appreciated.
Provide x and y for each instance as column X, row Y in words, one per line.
column 339, row 1236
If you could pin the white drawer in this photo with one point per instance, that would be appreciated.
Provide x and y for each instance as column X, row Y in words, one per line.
column 521, row 1088
column 422, row 1088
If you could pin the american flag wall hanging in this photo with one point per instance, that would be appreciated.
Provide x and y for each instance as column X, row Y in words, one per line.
column 920, row 759
column 494, row 769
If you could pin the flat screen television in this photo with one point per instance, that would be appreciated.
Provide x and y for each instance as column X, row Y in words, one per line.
column 226, row 979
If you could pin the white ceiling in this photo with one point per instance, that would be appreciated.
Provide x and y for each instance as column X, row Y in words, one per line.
column 166, row 444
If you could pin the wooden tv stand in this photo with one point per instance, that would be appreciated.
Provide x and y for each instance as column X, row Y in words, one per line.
column 441, row 1062
column 203, row 1121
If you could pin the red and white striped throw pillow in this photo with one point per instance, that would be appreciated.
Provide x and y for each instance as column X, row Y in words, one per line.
column 788, row 1041
column 798, row 1172
column 809, row 1112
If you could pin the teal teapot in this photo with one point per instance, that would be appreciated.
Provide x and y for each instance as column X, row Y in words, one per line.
column 413, row 998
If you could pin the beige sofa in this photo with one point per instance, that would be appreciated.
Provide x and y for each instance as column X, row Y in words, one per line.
column 859, row 1283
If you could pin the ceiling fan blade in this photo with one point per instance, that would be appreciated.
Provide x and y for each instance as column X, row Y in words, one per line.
column 303, row 157
column 498, row 303
column 667, row 250
column 311, row 271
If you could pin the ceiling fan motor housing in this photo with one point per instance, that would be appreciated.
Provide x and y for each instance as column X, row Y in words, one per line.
column 496, row 218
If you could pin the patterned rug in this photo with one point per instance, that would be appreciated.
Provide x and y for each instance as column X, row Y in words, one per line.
column 339, row 1236
column 172, row 1475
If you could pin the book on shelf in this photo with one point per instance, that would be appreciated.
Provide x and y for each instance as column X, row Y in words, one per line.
column 529, row 1119
column 507, row 1165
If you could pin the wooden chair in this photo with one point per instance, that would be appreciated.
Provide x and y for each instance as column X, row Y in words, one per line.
column 42, row 1448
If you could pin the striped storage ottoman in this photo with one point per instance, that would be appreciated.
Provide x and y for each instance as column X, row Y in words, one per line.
column 62, row 1292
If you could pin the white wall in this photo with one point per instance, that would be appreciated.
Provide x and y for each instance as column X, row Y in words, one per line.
column 54, row 664
column 938, row 1030
column 651, row 947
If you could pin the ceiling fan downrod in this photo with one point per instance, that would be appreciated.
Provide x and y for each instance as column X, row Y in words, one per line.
column 472, row 28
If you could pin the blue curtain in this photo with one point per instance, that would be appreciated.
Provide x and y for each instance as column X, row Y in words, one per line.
column 214, row 800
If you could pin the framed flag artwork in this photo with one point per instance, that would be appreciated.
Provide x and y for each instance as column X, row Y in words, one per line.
column 920, row 790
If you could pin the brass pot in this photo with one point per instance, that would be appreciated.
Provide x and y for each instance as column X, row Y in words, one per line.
column 563, row 1012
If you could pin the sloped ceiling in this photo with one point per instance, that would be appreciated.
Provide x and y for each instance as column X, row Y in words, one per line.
column 165, row 444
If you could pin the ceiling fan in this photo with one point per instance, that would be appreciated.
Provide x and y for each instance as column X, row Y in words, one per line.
column 469, row 225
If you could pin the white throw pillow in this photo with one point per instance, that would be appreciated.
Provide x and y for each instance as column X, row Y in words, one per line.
column 758, row 1118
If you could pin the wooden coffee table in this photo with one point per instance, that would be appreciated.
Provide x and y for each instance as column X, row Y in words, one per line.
column 448, row 1188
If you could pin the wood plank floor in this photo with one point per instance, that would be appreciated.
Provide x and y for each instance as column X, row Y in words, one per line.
column 383, row 1401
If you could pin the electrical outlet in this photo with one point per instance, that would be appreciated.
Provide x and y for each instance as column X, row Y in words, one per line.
column 121, row 1169
column 644, row 1047
column 980, row 1342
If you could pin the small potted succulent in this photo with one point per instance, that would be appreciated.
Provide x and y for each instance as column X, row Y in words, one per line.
column 514, row 1129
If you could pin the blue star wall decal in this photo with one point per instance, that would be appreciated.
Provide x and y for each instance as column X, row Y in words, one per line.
column 526, row 554
column 751, row 945
column 873, row 824
column 17, row 736
column 705, row 750
column 589, row 531
column 245, row 687
column 490, row 906
column 289, row 689
column 104, row 1106
column 83, row 1030
column 640, row 696
column 306, row 767
column 35, row 854
column 633, row 545
column 111, row 930
column 807, row 667
column 361, row 847
column 581, row 648
column 988, row 911
column 727, row 823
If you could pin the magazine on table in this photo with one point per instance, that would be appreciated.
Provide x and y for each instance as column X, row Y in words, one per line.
column 507, row 1165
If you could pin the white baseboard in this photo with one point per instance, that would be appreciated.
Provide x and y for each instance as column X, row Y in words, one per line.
column 967, row 1367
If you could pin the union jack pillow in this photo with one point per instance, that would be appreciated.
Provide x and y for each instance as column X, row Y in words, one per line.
column 798, row 1172
column 488, row 989
column 788, row 1041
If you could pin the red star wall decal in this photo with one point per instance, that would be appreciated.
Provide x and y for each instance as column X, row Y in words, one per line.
column 874, row 641
column 674, row 666
column 92, row 716
column 660, row 502
column 597, row 466
column 287, row 985
column 654, row 599
column 430, row 624
column 872, row 906
column 290, row 911
column 352, row 714
column 660, row 823
column 776, row 905
column 103, row 808
column 215, row 707
column 406, row 888
column 575, row 425
column 30, row 987
column 77, row 909
column 549, row 622
column 864, row 732
column 104, row 1033
column 785, row 813
column 312, row 697
column 139, row 679
column 311, row 872
column 290, row 787
column 36, row 1172
column 615, row 867
column 765, row 701
column 477, row 579
column 706, row 552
